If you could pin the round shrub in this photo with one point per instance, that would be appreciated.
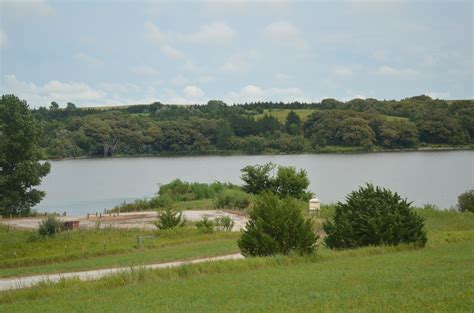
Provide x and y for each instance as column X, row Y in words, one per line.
column 374, row 216
column 277, row 226
column 466, row 201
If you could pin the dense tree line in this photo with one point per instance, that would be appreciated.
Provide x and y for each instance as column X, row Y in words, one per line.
column 157, row 129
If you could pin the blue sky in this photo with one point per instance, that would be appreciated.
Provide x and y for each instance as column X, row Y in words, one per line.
column 125, row 52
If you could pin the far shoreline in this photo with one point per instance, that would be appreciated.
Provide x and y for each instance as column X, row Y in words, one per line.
column 343, row 150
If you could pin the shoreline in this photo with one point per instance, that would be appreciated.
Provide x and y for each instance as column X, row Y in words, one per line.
column 240, row 153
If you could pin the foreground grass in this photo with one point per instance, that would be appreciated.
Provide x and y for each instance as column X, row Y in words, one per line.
column 104, row 248
column 438, row 277
column 372, row 279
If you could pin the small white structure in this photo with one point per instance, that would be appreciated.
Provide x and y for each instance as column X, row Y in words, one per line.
column 314, row 206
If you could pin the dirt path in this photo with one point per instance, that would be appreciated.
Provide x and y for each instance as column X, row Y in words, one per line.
column 28, row 281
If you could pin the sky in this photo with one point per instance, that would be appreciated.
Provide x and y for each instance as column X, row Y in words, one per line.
column 182, row 52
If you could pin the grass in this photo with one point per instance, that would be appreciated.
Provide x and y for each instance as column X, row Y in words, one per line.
column 81, row 250
column 438, row 277
column 281, row 114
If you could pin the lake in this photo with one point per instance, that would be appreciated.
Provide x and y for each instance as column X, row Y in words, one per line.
column 91, row 185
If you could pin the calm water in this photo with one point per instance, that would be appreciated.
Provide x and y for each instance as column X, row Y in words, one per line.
column 81, row 186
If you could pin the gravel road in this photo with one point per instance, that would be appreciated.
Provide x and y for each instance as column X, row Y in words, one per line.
column 28, row 281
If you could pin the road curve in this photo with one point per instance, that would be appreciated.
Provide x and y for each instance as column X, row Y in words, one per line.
column 29, row 281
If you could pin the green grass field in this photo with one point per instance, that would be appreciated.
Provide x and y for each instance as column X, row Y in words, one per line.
column 437, row 278
column 281, row 114
column 91, row 249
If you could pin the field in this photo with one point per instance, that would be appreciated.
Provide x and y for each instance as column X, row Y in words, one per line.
column 281, row 114
column 23, row 254
column 436, row 278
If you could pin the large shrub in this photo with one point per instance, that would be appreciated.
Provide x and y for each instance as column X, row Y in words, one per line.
column 50, row 226
column 374, row 216
column 277, row 226
column 232, row 199
column 466, row 201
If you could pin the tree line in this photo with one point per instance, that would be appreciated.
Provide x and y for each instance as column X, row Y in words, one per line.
column 158, row 129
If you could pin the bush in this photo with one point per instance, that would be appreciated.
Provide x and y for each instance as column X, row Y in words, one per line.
column 205, row 225
column 466, row 201
column 170, row 218
column 224, row 223
column 50, row 226
column 277, row 226
column 374, row 216
column 183, row 191
column 232, row 199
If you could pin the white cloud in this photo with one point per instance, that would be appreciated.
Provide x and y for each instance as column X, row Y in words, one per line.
column 286, row 34
column 155, row 35
column 171, row 52
column 30, row 8
column 3, row 39
column 251, row 93
column 241, row 62
column 214, row 33
column 389, row 71
column 53, row 90
column 87, row 59
column 189, row 95
column 145, row 71
column 193, row 92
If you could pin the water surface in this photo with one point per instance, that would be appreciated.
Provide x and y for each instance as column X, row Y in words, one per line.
column 90, row 185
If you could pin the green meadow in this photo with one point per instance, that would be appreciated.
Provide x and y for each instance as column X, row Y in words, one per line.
column 436, row 278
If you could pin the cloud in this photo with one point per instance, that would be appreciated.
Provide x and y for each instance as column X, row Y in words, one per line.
column 193, row 92
column 189, row 95
column 26, row 9
column 286, row 34
column 214, row 33
column 389, row 71
column 87, row 59
column 171, row 52
column 145, row 71
column 241, row 62
column 155, row 35
column 53, row 90
column 251, row 93
column 3, row 39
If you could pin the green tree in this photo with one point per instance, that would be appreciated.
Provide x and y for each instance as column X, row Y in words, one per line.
column 257, row 178
column 70, row 106
column 374, row 216
column 277, row 226
column 54, row 106
column 20, row 169
column 224, row 134
column 293, row 123
column 466, row 201
column 292, row 183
